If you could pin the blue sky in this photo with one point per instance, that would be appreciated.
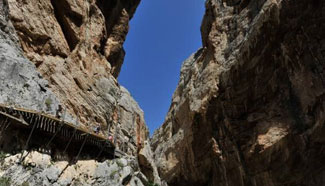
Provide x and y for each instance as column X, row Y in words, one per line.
column 163, row 33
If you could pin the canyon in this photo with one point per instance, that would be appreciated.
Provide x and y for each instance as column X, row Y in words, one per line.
column 248, row 109
column 62, row 58
column 249, row 106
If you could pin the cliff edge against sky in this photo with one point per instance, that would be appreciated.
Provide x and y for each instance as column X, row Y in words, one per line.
column 248, row 109
column 249, row 106
column 62, row 57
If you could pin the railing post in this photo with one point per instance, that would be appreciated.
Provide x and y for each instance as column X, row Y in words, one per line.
column 74, row 132
column 28, row 139
column 82, row 146
column 61, row 123
column 66, row 147
column 30, row 135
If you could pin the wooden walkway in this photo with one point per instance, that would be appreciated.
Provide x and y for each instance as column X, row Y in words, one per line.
column 55, row 129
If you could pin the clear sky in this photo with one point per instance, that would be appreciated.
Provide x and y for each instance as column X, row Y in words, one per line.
column 163, row 33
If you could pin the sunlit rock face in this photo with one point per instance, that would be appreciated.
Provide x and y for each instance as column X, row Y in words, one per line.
column 64, row 55
column 40, row 169
column 249, row 107
column 77, row 48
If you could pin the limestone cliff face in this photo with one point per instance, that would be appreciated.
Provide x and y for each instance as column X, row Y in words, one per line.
column 66, row 55
column 249, row 107
column 77, row 47
column 40, row 169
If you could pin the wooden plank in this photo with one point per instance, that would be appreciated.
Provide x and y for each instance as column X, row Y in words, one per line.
column 14, row 118
column 34, row 117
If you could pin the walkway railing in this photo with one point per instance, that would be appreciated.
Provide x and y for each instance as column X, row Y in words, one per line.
column 55, row 128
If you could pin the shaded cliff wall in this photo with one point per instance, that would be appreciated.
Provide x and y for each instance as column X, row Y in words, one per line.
column 249, row 107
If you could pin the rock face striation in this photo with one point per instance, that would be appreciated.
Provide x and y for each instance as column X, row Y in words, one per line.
column 249, row 106
column 58, row 56
column 20, row 82
column 77, row 49
column 248, row 110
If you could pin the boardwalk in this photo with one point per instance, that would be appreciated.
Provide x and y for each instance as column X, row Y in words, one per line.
column 43, row 130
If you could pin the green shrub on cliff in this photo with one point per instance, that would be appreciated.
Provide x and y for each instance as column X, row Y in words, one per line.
column 4, row 181
column 151, row 183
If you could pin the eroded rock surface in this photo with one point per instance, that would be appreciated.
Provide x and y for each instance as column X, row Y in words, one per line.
column 20, row 83
column 249, row 107
column 66, row 55
column 39, row 169
column 147, row 164
column 77, row 48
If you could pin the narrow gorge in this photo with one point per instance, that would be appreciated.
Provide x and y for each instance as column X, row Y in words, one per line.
column 248, row 109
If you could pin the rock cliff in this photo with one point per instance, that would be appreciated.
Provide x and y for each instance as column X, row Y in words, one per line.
column 248, row 109
column 249, row 106
column 40, row 169
column 77, row 49
column 58, row 56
